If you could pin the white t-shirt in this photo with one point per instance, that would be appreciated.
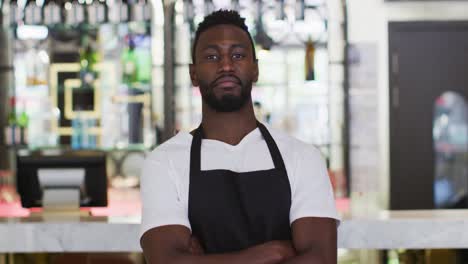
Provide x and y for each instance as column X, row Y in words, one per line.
column 165, row 176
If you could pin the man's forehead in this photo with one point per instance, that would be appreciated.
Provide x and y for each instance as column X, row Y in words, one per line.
column 228, row 35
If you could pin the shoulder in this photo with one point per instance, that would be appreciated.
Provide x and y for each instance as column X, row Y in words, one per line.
column 304, row 161
column 287, row 143
column 281, row 137
column 174, row 148
column 162, row 168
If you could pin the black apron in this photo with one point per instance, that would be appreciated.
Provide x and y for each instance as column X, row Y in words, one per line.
column 231, row 211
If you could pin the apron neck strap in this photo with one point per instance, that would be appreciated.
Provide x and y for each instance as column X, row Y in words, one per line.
column 195, row 149
column 274, row 151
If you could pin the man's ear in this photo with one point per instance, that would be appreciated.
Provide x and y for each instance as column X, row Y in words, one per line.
column 255, row 72
column 193, row 75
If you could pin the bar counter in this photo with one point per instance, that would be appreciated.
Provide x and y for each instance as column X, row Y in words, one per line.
column 119, row 231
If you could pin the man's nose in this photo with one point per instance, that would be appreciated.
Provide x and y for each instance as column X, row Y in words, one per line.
column 226, row 64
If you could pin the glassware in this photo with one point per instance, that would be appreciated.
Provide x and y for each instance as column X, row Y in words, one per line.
column 450, row 135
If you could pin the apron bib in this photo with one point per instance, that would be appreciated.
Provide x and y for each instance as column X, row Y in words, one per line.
column 230, row 211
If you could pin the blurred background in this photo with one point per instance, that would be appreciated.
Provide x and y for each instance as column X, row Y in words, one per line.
column 380, row 87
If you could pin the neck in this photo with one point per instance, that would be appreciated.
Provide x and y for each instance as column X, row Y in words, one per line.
column 230, row 127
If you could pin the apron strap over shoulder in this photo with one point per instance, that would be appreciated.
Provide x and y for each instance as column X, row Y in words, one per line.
column 274, row 151
column 195, row 151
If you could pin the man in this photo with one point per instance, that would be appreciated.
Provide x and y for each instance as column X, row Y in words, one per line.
column 234, row 191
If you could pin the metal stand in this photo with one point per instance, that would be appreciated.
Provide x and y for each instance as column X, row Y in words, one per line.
column 61, row 193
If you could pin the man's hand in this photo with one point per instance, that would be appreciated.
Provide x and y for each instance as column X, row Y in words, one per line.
column 195, row 247
column 277, row 251
column 274, row 251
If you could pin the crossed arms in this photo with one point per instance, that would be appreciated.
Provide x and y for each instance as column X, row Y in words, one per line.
column 314, row 240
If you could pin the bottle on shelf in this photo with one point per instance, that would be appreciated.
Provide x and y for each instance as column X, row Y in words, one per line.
column 123, row 121
column 88, row 138
column 77, row 132
column 148, row 134
column 310, row 61
column 84, row 133
column 84, row 60
column 12, row 130
column 129, row 64
column 91, row 122
column 42, row 129
column 88, row 60
column 23, row 122
column 83, row 136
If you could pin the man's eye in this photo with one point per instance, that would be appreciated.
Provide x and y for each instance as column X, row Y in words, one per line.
column 212, row 57
column 238, row 56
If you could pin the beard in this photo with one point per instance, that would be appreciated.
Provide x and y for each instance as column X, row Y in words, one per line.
column 228, row 102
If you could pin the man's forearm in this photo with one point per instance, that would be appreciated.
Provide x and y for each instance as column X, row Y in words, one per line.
column 273, row 252
column 315, row 240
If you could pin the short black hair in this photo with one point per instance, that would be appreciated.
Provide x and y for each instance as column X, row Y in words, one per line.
column 222, row 17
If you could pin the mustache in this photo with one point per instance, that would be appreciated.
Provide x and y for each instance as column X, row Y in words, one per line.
column 224, row 76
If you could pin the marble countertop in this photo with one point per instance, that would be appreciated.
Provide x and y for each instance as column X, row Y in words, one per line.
column 384, row 230
column 406, row 229
column 93, row 234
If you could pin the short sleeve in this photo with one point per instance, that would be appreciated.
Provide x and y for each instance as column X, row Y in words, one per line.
column 161, row 203
column 312, row 194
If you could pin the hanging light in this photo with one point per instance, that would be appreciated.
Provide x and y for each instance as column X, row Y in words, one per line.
column 13, row 12
column 300, row 9
column 280, row 10
column 124, row 10
column 209, row 7
column 113, row 11
column 75, row 13
column 96, row 12
column 235, row 5
column 189, row 12
column 148, row 10
column 138, row 13
column 51, row 13
column 261, row 37
column 32, row 13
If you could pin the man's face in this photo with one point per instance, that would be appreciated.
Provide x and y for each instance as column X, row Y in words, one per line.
column 224, row 68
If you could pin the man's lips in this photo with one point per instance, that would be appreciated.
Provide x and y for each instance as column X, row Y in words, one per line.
column 225, row 82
